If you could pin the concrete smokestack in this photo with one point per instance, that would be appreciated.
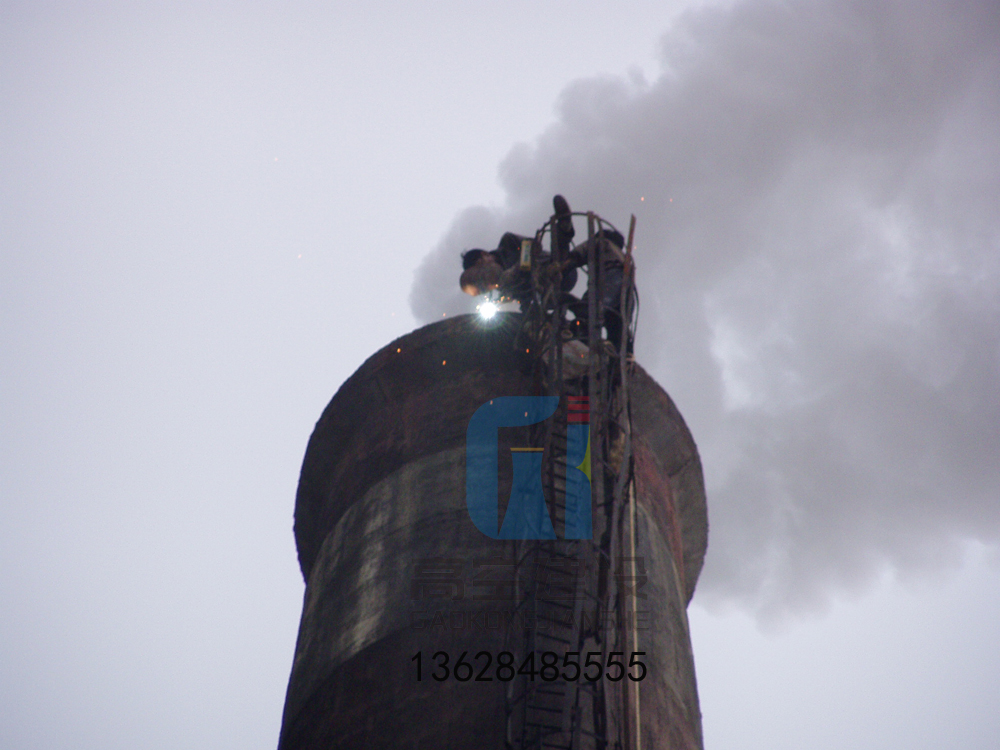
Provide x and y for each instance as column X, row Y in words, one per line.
column 395, row 567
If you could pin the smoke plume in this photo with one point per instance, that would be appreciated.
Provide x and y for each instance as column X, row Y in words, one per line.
column 816, row 186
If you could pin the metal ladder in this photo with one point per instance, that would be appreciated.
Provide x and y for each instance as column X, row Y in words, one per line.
column 563, row 588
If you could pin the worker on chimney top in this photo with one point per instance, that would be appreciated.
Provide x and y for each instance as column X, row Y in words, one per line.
column 486, row 270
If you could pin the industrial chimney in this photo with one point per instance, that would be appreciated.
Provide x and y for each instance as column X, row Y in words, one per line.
column 421, row 630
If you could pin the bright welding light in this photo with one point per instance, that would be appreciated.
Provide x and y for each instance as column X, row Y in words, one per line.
column 488, row 309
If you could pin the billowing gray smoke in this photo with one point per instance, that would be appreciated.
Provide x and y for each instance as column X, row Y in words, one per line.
column 818, row 194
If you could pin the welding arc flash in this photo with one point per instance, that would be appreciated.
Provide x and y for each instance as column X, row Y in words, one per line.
column 488, row 309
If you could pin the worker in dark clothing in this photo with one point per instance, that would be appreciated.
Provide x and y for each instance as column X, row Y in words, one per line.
column 562, row 229
column 609, row 255
column 484, row 271
column 562, row 236
column 480, row 267
column 481, row 272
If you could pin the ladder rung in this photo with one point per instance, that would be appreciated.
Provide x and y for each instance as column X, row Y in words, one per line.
column 557, row 604
column 563, row 555
column 552, row 638
column 545, row 709
column 551, row 587
column 551, row 727
column 566, row 576
column 551, row 569
column 556, row 693
column 560, row 623
column 552, row 615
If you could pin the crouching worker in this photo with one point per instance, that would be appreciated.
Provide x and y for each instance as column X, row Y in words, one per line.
column 486, row 270
column 480, row 272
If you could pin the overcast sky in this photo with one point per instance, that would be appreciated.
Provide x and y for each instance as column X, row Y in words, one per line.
column 211, row 214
